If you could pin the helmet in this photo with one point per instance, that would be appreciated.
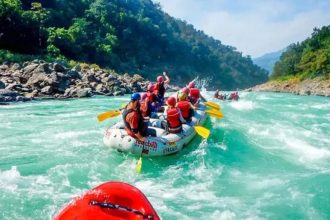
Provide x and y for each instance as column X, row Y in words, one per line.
column 185, row 90
column 151, row 87
column 171, row 101
column 135, row 97
column 144, row 96
column 182, row 96
column 160, row 79
column 191, row 85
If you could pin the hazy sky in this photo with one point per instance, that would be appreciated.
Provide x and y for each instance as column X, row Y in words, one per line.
column 254, row 27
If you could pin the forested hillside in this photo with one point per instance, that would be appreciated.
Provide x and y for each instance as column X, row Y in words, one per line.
column 133, row 36
column 307, row 59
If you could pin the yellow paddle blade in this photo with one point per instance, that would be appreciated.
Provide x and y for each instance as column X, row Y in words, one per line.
column 138, row 166
column 212, row 105
column 202, row 131
column 106, row 115
column 215, row 113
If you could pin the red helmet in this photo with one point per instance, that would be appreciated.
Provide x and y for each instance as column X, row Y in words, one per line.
column 151, row 87
column 171, row 101
column 191, row 85
column 160, row 79
column 186, row 90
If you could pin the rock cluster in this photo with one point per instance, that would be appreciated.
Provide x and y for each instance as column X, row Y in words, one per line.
column 39, row 79
column 317, row 86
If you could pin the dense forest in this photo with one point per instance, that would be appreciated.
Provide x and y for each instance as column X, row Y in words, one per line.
column 133, row 36
column 307, row 59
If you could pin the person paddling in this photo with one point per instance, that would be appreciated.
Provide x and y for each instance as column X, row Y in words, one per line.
column 174, row 118
column 194, row 94
column 133, row 118
column 186, row 108
column 160, row 89
column 152, row 98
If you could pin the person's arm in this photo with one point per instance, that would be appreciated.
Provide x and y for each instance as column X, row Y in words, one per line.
column 135, row 128
column 181, row 117
column 167, row 79
column 193, row 107
column 140, row 137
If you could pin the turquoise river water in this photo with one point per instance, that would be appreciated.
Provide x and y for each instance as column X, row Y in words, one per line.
column 269, row 158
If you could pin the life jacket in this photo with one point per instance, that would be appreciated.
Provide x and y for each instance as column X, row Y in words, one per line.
column 151, row 96
column 173, row 120
column 194, row 95
column 160, row 90
column 185, row 109
column 128, row 128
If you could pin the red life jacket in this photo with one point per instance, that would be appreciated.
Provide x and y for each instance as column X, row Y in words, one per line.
column 194, row 95
column 184, row 107
column 151, row 96
column 173, row 120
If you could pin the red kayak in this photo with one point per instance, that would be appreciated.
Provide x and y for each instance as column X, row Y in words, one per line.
column 111, row 200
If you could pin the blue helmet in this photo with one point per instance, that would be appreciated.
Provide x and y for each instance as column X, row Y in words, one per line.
column 135, row 97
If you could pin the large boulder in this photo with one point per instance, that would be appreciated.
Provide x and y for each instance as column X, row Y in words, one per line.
column 59, row 68
column 47, row 90
column 74, row 74
column 85, row 92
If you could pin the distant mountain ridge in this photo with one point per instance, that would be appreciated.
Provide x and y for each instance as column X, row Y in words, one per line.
column 268, row 60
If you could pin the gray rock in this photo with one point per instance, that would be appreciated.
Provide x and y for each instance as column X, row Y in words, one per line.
column 2, row 85
column 3, row 68
column 47, row 90
column 86, row 92
column 74, row 74
column 29, row 68
column 6, row 92
column 59, row 68
column 14, row 86
column 43, row 68
column 39, row 79
column 118, row 93
column 15, row 67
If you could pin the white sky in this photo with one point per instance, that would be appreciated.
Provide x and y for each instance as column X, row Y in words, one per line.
column 254, row 27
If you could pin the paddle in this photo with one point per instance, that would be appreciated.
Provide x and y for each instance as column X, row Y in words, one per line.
column 111, row 114
column 203, row 132
column 215, row 113
column 138, row 166
column 106, row 115
column 212, row 105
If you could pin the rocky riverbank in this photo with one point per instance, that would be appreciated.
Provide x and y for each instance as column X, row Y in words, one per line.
column 317, row 86
column 39, row 80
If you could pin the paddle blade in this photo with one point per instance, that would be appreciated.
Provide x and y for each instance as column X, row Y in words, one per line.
column 215, row 113
column 203, row 132
column 106, row 115
column 138, row 167
column 212, row 105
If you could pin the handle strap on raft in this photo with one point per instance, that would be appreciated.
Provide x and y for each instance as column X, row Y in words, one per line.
column 119, row 207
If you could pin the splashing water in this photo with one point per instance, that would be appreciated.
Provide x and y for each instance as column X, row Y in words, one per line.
column 269, row 158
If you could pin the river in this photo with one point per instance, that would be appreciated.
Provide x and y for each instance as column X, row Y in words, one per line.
column 269, row 158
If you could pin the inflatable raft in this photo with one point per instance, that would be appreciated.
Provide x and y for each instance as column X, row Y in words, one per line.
column 111, row 200
column 161, row 143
